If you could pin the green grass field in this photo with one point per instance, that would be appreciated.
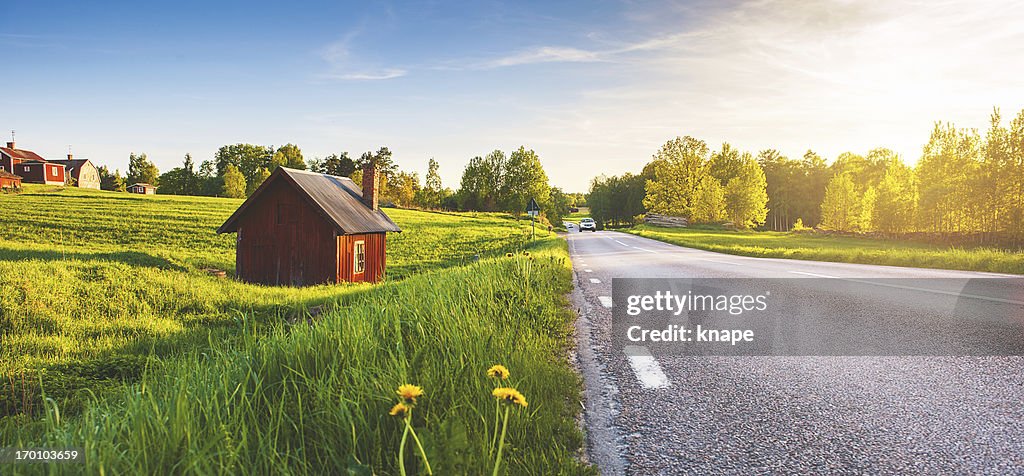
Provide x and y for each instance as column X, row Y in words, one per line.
column 768, row 244
column 154, row 365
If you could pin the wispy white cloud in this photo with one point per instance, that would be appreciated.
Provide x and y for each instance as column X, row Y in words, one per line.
column 546, row 54
column 343, row 65
column 368, row 75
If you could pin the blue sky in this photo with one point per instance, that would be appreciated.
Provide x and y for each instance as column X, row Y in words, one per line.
column 593, row 87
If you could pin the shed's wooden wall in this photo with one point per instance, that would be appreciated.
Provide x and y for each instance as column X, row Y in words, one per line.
column 283, row 240
column 376, row 257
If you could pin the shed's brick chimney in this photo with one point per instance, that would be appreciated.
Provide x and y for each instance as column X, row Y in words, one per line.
column 370, row 185
column 10, row 145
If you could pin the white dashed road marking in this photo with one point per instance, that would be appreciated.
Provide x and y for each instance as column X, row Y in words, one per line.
column 589, row 270
column 595, row 281
column 646, row 368
column 606, row 301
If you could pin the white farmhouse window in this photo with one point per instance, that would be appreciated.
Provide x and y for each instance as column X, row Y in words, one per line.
column 358, row 257
column 27, row 168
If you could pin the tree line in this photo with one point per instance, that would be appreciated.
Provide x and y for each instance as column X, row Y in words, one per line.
column 685, row 178
column 963, row 183
column 494, row 183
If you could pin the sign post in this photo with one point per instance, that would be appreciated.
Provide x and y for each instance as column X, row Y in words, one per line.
column 533, row 210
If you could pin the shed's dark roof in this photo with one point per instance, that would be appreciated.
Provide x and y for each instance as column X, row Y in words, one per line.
column 338, row 199
column 7, row 175
column 141, row 184
column 22, row 154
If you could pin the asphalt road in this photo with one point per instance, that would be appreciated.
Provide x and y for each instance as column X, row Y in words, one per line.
column 677, row 414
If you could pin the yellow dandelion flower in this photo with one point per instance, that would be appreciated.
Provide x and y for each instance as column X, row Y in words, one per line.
column 399, row 410
column 498, row 371
column 510, row 395
column 409, row 392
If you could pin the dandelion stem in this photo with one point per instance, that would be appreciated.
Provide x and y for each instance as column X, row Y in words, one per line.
column 501, row 444
column 415, row 438
column 497, row 417
column 401, row 448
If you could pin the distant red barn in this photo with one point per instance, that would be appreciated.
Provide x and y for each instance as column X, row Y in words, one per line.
column 301, row 228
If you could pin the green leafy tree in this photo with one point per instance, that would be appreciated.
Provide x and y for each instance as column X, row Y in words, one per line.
column 557, row 207
column 746, row 198
column 141, row 170
column 678, row 167
column 234, row 182
column 111, row 181
column 524, row 179
column 894, row 205
column 809, row 189
column 289, row 156
column 209, row 183
column 405, row 188
column 725, row 164
column 840, row 209
column 339, row 165
column 432, row 193
column 618, row 200
column 249, row 159
column 482, row 182
column 1012, row 189
column 782, row 176
column 262, row 176
column 709, row 206
column 868, row 219
column 950, row 159
column 181, row 180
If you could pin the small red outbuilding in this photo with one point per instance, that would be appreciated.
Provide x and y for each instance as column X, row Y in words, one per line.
column 301, row 228
column 9, row 181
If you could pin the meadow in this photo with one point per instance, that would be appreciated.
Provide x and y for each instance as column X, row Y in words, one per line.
column 116, row 339
column 843, row 249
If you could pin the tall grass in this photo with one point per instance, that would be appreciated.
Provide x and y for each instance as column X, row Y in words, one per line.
column 769, row 244
column 96, row 283
column 312, row 399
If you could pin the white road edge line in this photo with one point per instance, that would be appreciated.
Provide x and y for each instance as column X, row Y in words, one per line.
column 595, row 281
column 606, row 301
column 914, row 288
column 646, row 368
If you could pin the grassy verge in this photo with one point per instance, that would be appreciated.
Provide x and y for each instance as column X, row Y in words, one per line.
column 116, row 339
column 838, row 249
column 90, row 276
column 314, row 399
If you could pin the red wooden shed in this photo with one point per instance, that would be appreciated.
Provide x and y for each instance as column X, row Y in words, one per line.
column 302, row 228
column 9, row 181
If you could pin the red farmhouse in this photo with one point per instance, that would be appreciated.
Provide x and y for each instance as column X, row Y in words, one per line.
column 301, row 228
column 30, row 166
